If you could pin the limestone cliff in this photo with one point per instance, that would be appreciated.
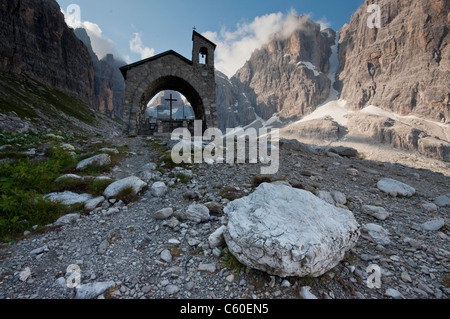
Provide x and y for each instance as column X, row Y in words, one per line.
column 233, row 107
column 402, row 67
column 288, row 75
column 109, row 85
column 35, row 40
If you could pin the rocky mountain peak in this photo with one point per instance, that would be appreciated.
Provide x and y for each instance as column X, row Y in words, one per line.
column 288, row 75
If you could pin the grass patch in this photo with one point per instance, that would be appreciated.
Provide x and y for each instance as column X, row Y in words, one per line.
column 231, row 193
column 229, row 261
column 127, row 195
column 23, row 184
column 24, row 95
column 260, row 179
column 97, row 187
column 446, row 281
column 183, row 178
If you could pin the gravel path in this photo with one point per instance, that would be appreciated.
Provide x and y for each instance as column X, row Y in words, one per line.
column 128, row 254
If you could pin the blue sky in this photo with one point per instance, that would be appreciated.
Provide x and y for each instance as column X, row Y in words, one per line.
column 135, row 29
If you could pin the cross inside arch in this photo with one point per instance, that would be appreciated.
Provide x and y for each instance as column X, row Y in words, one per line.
column 171, row 100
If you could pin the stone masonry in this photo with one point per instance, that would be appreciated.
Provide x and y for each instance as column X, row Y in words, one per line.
column 195, row 79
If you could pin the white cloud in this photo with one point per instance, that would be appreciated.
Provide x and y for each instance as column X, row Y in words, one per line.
column 234, row 48
column 324, row 23
column 100, row 44
column 136, row 46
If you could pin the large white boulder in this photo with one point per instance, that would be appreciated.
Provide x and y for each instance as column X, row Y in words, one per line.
column 289, row 232
column 133, row 182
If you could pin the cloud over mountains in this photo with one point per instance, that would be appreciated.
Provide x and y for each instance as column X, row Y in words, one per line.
column 234, row 48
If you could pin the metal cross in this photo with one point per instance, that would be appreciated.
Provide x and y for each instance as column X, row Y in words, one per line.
column 171, row 100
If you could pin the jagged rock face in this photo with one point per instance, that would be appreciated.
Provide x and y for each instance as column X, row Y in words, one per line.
column 233, row 107
column 109, row 85
column 288, row 75
column 35, row 40
column 404, row 65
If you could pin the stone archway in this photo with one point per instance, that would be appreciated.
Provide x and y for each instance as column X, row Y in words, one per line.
column 171, row 71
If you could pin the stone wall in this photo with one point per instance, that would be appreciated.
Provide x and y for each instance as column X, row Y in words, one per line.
column 171, row 71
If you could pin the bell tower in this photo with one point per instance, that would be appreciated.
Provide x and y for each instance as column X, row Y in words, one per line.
column 203, row 50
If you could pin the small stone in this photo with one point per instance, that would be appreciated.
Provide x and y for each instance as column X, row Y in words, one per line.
column 39, row 250
column 68, row 177
column 326, row 196
column 100, row 160
column 166, row 256
column 344, row 151
column 433, row 225
column 376, row 234
column 197, row 213
column 378, row 212
column 91, row 291
column 285, row 284
column 217, row 239
column 393, row 293
column 406, row 277
column 109, row 150
column 429, row 207
column 395, row 188
column 211, row 268
column 442, row 201
column 134, row 183
column 25, row 274
column 230, row 278
column 103, row 247
column 191, row 195
column 67, row 219
column 189, row 286
column 163, row 213
column 339, row 197
column 158, row 189
column 172, row 289
column 94, row 203
column 305, row 293
column 352, row 172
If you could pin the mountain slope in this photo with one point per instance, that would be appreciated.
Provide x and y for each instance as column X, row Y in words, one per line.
column 35, row 40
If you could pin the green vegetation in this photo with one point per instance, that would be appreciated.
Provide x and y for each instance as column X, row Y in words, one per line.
column 183, row 178
column 231, row 193
column 230, row 261
column 22, row 185
column 260, row 179
column 26, row 177
column 24, row 96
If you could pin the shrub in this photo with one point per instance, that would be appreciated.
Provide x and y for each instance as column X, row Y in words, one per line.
column 260, row 179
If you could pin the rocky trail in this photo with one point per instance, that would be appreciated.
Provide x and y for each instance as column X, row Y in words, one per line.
column 159, row 245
